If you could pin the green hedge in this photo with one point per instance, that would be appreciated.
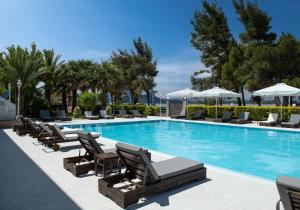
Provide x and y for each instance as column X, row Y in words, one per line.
column 256, row 112
column 142, row 108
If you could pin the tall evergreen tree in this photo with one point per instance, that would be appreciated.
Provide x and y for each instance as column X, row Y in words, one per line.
column 212, row 37
column 256, row 23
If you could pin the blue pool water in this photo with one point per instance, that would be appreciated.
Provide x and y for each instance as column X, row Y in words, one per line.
column 260, row 152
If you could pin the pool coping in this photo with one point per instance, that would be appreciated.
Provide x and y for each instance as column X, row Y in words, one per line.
column 114, row 121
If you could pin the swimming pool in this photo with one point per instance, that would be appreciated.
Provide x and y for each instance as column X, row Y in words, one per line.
column 259, row 152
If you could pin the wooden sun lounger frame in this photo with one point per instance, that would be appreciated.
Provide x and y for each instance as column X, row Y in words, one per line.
column 87, row 161
column 146, row 187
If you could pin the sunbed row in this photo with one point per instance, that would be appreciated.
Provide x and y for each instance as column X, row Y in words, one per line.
column 122, row 114
column 244, row 118
column 128, row 171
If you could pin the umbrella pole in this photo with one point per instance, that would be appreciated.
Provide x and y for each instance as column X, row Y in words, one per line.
column 281, row 108
column 216, row 107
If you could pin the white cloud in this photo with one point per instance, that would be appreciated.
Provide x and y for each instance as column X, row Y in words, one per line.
column 175, row 75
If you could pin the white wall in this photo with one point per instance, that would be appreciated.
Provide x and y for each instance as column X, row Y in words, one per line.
column 7, row 110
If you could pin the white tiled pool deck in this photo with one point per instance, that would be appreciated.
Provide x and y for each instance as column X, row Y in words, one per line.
column 37, row 180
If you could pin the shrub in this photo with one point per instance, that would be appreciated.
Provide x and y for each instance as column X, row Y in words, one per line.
column 151, row 110
column 256, row 112
column 88, row 101
column 142, row 108
column 38, row 104
column 77, row 112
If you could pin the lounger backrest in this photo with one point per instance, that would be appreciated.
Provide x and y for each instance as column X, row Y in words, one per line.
column 61, row 113
column 227, row 115
column 44, row 113
column 56, row 131
column 198, row 113
column 89, row 143
column 289, row 191
column 244, row 115
column 122, row 112
column 295, row 118
column 273, row 117
column 103, row 113
column 137, row 162
column 45, row 128
column 88, row 113
column 136, row 112
column 32, row 125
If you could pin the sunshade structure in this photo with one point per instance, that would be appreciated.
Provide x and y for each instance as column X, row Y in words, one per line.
column 278, row 90
column 183, row 94
column 217, row 93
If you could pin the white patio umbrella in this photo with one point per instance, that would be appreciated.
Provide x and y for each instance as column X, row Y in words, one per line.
column 279, row 90
column 184, row 94
column 217, row 93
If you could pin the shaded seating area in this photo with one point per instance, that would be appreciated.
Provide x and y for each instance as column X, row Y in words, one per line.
column 181, row 115
column 243, row 118
column 227, row 116
column 61, row 115
column 293, row 122
column 104, row 115
column 289, row 192
column 143, row 177
column 199, row 115
column 271, row 121
column 136, row 113
column 124, row 114
column 89, row 115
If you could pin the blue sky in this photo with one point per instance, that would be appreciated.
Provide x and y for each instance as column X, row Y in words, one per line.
column 92, row 29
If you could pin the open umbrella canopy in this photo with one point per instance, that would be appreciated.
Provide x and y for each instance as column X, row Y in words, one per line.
column 280, row 89
column 217, row 92
column 185, row 93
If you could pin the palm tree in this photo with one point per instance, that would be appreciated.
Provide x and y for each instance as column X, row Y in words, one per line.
column 51, row 72
column 19, row 63
column 110, row 80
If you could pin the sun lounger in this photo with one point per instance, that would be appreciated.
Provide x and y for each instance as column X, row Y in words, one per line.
column 142, row 178
column 289, row 192
column 272, row 120
column 243, row 118
column 89, row 115
column 199, row 115
column 104, row 115
column 59, row 137
column 181, row 115
column 82, row 164
column 136, row 113
column 45, row 116
column 293, row 123
column 225, row 118
column 124, row 114
column 61, row 115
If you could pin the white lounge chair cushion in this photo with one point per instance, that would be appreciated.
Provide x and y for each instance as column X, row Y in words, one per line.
column 272, row 117
column 71, row 136
column 175, row 166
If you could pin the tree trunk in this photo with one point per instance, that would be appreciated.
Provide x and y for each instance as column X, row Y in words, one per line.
column 64, row 99
column 48, row 94
column 239, row 101
column 243, row 96
column 74, row 99
column 148, row 96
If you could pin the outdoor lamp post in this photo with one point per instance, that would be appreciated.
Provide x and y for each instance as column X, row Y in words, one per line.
column 9, row 92
column 19, row 84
